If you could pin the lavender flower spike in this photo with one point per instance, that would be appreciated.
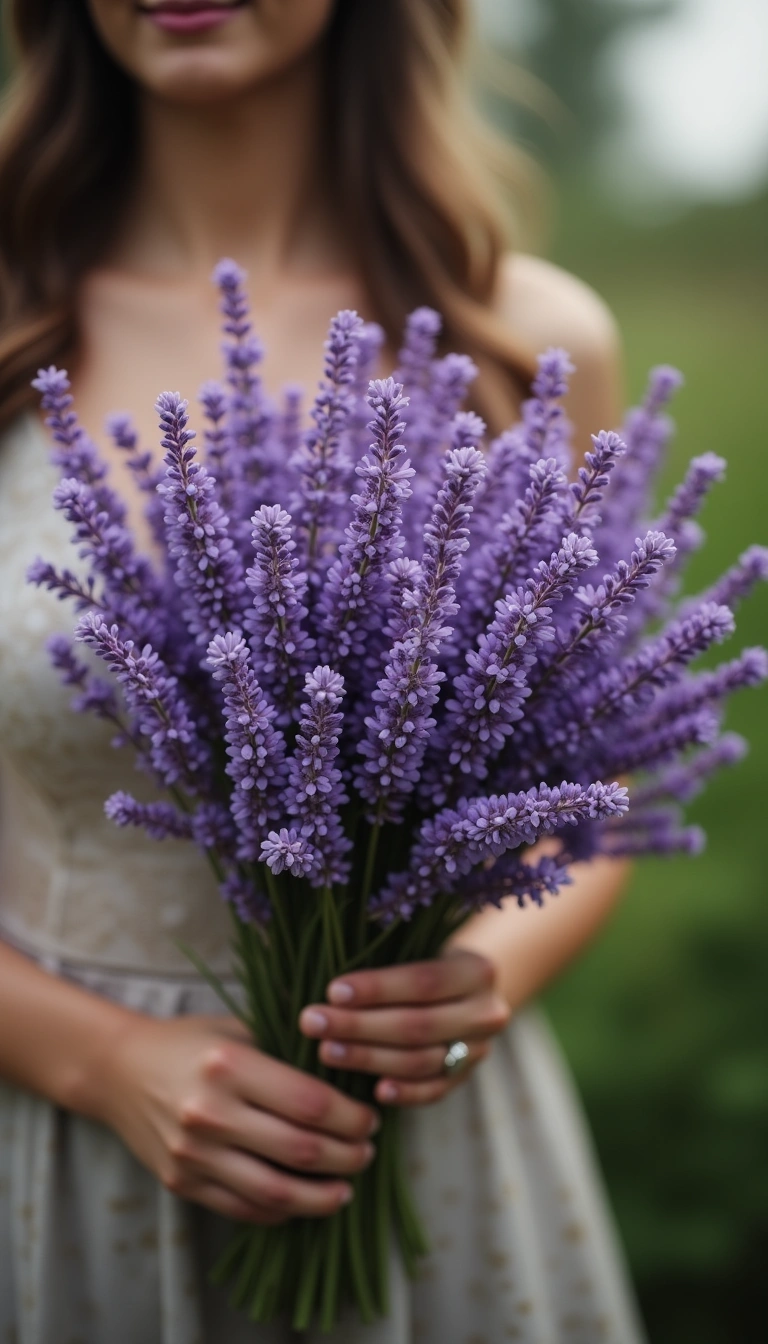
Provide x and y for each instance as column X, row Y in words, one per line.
column 255, row 747
column 160, row 820
column 321, row 463
column 279, row 644
column 76, row 453
column 398, row 731
column 315, row 791
column 491, row 693
column 703, row 472
column 547, row 431
column 451, row 843
column 737, row 583
column 160, row 717
column 208, row 570
column 356, row 580
column 593, row 479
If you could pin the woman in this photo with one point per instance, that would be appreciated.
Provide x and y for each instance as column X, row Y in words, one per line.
column 322, row 145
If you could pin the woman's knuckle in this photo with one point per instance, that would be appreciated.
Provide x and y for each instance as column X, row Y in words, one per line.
column 174, row 1178
column 415, row 1027
column 428, row 979
column 305, row 1151
column 180, row 1148
column 218, row 1061
column 499, row 1013
column 275, row 1193
column 195, row 1113
column 311, row 1102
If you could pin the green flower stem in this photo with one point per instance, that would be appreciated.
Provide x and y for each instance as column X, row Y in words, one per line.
column 354, row 1239
column 331, row 1285
column 311, row 1252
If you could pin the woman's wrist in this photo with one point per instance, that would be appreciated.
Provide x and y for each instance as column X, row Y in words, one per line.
column 90, row 1077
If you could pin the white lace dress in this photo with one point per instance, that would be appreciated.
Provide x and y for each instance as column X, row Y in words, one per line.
column 92, row 1249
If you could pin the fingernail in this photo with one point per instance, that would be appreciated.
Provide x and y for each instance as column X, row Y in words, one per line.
column 387, row 1091
column 346, row 1195
column 311, row 1020
column 375, row 1124
column 340, row 992
column 335, row 1050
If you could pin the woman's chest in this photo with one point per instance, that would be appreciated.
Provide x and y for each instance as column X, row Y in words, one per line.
column 139, row 339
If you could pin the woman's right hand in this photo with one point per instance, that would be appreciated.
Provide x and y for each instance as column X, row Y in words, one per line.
column 217, row 1120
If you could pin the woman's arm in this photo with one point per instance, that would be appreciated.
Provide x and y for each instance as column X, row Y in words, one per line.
column 214, row 1119
column 530, row 947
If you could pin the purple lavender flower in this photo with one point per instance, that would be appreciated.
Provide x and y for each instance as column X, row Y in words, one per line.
column 95, row 696
column 737, row 583
column 160, row 820
column 120, row 428
column 529, row 531
column 703, row 472
column 604, row 606
column 249, row 902
column 256, row 749
column 161, row 721
column 712, row 688
column 351, row 599
column 398, row 729
column 280, row 646
column 286, row 849
column 289, row 425
column 208, row 570
column 414, row 363
column 451, row 843
column 249, row 416
column 684, row 780
column 545, row 425
column 511, row 876
column 659, row 662
column 315, row 792
column 321, row 463
column 131, row 591
column 65, row 584
column 646, row 432
column 490, row 694
column 593, row 480
column 649, row 750
column 76, row 453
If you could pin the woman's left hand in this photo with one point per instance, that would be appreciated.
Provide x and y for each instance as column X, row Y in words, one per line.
column 399, row 1021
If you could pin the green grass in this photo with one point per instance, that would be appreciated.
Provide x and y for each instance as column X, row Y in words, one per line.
column 664, row 1017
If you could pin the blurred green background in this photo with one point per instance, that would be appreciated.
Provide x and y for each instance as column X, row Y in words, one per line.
column 665, row 1019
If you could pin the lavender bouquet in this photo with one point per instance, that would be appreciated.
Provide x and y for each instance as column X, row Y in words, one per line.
column 364, row 721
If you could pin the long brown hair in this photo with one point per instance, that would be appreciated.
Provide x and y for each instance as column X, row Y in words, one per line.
column 411, row 178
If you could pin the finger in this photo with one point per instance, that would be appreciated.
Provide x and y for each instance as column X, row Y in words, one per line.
column 422, row 1062
column 481, row 1015
column 268, row 1083
column 230, row 1205
column 397, row 1092
column 267, row 1135
column 279, row 1192
column 451, row 977
column 425, row 1062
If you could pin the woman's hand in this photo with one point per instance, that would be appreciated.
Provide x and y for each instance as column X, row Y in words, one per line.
column 397, row 1022
column 211, row 1116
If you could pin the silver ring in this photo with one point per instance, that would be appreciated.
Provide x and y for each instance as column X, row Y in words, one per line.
column 456, row 1058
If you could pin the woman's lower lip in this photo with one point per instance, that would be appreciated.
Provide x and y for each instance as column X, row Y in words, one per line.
column 190, row 20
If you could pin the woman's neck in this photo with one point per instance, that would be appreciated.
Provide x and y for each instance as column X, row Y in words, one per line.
column 243, row 179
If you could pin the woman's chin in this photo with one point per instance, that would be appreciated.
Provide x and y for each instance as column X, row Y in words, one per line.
column 202, row 77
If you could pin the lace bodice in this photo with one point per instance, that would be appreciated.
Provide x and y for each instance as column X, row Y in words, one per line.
column 72, row 885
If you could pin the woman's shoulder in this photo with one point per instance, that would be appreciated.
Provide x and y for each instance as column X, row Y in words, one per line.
column 547, row 306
